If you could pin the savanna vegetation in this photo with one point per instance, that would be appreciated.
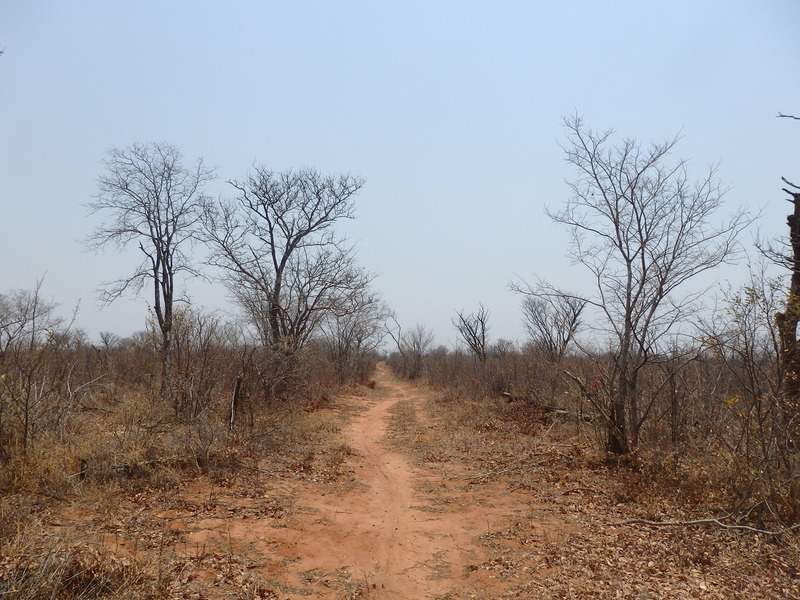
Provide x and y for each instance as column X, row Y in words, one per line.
column 693, row 387
column 195, row 393
column 685, row 400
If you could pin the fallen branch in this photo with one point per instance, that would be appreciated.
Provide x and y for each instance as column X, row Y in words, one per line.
column 505, row 468
column 577, row 490
column 709, row 522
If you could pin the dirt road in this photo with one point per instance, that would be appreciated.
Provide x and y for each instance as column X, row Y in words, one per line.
column 405, row 530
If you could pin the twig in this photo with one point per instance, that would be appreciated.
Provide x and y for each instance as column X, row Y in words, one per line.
column 579, row 489
column 52, row 495
column 551, row 445
column 420, row 564
column 709, row 522
column 505, row 468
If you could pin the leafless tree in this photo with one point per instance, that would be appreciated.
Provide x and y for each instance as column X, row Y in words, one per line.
column 501, row 349
column 642, row 230
column 33, row 375
column 152, row 200
column 282, row 259
column 788, row 319
column 474, row 329
column 109, row 340
column 352, row 335
column 551, row 319
column 411, row 345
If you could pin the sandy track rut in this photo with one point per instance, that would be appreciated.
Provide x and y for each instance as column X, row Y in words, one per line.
column 380, row 531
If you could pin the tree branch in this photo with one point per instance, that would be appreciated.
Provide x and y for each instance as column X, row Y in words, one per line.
column 716, row 522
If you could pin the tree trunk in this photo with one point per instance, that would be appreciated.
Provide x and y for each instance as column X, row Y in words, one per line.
column 618, row 426
column 790, row 349
column 235, row 403
column 166, row 374
column 635, row 420
column 618, row 442
column 787, row 322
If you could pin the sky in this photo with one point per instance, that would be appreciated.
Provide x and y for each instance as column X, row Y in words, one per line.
column 451, row 111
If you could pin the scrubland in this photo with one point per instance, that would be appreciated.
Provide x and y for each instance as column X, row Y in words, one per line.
column 109, row 490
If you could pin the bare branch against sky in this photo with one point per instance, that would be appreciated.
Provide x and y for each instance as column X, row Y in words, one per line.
column 450, row 111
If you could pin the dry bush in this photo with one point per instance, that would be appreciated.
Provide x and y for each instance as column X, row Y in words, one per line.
column 70, row 568
column 486, row 431
column 115, row 425
column 523, row 377
column 714, row 431
column 87, row 424
column 287, row 442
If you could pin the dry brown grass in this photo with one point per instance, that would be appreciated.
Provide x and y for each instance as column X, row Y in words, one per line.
column 104, row 531
column 68, row 565
column 597, row 556
column 77, row 508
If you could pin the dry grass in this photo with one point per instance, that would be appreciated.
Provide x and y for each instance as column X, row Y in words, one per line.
column 84, row 512
column 596, row 556
column 69, row 566
column 78, row 511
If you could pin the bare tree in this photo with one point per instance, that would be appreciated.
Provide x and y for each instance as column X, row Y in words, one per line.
column 282, row 260
column 34, row 378
column 642, row 230
column 788, row 319
column 501, row 349
column 551, row 319
column 412, row 346
column 473, row 329
column 352, row 335
column 151, row 200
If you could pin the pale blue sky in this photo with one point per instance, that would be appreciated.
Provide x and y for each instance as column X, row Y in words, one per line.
column 451, row 111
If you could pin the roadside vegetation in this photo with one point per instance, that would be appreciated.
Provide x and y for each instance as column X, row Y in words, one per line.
column 102, row 424
column 691, row 386
column 85, row 431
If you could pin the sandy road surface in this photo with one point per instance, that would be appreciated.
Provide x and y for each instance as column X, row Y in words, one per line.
column 404, row 531
column 385, row 532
